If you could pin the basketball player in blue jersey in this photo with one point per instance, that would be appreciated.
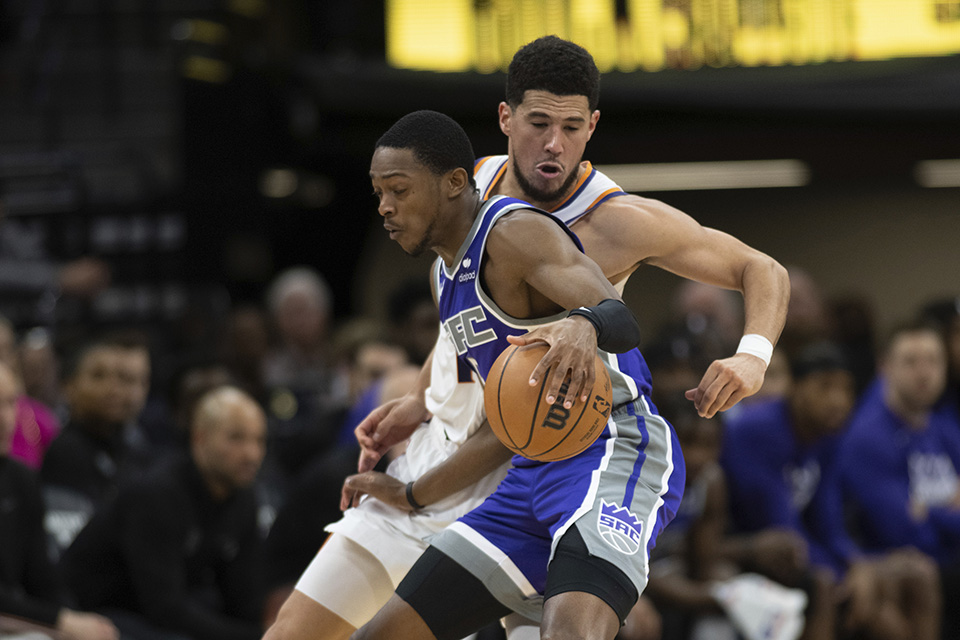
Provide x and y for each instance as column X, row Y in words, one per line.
column 549, row 116
column 506, row 269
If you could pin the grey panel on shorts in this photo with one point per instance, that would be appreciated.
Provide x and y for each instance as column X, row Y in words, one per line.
column 621, row 533
column 491, row 573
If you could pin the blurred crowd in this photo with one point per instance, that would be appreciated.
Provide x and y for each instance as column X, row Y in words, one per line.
column 155, row 491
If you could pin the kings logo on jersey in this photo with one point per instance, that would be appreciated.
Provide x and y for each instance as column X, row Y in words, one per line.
column 619, row 528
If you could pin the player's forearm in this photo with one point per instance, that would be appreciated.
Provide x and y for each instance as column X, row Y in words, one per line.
column 481, row 454
column 766, row 293
column 423, row 380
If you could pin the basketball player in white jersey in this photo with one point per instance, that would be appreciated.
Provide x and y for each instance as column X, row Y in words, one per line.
column 548, row 116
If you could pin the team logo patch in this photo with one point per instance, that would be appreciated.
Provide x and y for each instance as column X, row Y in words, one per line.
column 619, row 528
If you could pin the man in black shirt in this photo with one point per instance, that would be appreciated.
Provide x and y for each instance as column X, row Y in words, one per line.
column 31, row 590
column 178, row 553
column 106, row 387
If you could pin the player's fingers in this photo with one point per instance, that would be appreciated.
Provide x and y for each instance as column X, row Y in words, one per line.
column 346, row 497
column 723, row 394
column 557, row 376
column 708, row 394
column 589, row 380
column 368, row 460
column 734, row 398
column 544, row 367
column 525, row 339
column 366, row 430
column 575, row 388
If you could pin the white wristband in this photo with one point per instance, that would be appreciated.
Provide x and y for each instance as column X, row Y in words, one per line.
column 756, row 345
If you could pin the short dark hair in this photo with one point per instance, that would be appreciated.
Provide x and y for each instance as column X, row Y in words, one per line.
column 817, row 357
column 555, row 65
column 122, row 339
column 922, row 324
column 437, row 141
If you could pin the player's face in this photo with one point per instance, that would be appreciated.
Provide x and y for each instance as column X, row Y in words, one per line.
column 9, row 391
column 916, row 369
column 409, row 198
column 548, row 134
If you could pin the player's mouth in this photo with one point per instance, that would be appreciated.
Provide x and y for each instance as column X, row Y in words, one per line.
column 549, row 170
column 393, row 232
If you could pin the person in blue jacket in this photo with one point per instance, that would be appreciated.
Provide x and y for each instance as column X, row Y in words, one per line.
column 900, row 458
column 781, row 461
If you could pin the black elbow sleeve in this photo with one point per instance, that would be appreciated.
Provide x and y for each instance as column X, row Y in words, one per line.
column 617, row 329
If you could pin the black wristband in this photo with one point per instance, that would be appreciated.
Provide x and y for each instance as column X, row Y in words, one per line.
column 617, row 329
column 413, row 503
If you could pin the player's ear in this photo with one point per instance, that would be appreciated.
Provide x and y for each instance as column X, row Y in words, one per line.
column 505, row 112
column 457, row 181
column 592, row 124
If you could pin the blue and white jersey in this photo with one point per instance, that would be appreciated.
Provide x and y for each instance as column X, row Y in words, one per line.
column 593, row 188
column 479, row 328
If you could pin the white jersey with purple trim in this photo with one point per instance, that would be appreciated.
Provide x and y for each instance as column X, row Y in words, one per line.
column 592, row 189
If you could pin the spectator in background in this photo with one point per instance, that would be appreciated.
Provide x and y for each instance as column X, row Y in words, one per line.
column 40, row 367
column 714, row 316
column 36, row 424
column 178, row 554
column 300, row 305
column 366, row 353
column 900, row 460
column 691, row 580
column 945, row 314
column 306, row 393
column 106, row 387
column 781, row 461
column 852, row 327
column 31, row 589
column 245, row 348
column 413, row 317
column 807, row 320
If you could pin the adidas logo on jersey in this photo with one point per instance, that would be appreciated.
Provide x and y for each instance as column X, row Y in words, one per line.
column 470, row 275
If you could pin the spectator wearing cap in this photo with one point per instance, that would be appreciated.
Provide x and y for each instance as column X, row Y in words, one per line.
column 901, row 458
column 781, row 461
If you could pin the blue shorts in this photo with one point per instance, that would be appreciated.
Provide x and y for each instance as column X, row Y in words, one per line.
column 619, row 493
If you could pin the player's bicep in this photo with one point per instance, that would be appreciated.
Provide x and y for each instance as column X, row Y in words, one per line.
column 668, row 238
column 543, row 255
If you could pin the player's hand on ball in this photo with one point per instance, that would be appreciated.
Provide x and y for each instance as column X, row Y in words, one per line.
column 384, row 488
column 388, row 425
column 727, row 382
column 573, row 351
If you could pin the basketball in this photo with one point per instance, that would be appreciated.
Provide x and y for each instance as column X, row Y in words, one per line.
column 523, row 421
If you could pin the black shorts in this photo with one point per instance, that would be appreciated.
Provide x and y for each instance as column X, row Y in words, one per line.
column 454, row 603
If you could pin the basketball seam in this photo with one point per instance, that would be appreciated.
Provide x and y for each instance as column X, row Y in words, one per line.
column 500, row 403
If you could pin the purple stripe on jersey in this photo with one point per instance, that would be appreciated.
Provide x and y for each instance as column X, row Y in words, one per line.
column 641, row 456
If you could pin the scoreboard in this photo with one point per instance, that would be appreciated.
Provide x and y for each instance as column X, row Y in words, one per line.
column 651, row 35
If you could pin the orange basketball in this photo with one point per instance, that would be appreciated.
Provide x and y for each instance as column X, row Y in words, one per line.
column 526, row 424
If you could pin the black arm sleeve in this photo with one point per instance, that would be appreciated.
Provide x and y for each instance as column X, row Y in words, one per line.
column 617, row 329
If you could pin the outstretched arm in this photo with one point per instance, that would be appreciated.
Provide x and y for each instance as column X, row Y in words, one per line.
column 628, row 231
column 480, row 455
